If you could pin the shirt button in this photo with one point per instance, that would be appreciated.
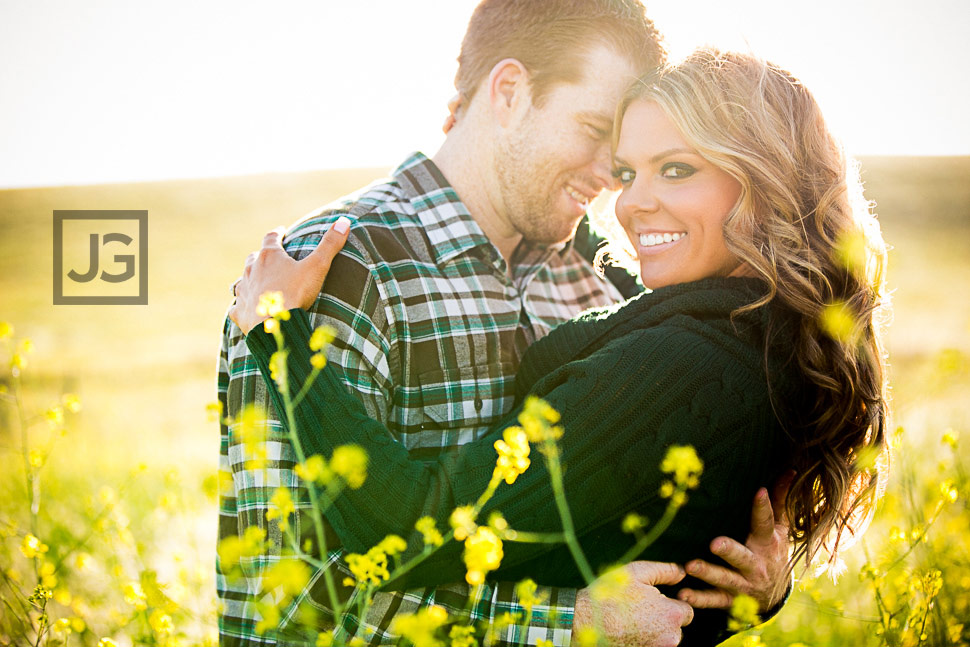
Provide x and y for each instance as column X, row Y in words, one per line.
column 479, row 404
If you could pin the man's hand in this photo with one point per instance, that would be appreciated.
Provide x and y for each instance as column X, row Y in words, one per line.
column 627, row 609
column 271, row 269
column 760, row 565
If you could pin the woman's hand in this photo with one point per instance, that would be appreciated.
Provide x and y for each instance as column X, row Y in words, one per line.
column 760, row 566
column 271, row 269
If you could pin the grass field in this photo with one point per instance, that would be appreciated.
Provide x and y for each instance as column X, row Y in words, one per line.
column 145, row 374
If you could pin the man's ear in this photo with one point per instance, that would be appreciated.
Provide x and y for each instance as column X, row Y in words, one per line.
column 509, row 89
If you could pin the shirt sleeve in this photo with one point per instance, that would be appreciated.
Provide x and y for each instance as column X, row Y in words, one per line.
column 353, row 303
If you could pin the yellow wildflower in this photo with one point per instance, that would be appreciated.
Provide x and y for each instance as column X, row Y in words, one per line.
column 271, row 305
column 462, row 636
column 324, row 639
column 542, row 642
column 17, row 363
column 429, row 532
column 47, row 575
column 277, row 368
column 633, row 523
column 233, row 548
column 322, row 337
column 682, row 461
column 497, row 523
column 314, row 470
column 63, row 597
column 36, row 458
column 252, row 428
column 483, row 553
column 850, row 250
column 744, row 613
column 271, row 326
column 950, row 437
column 27, row 346
column 161, row 622
column 71, row 402
column 62, row 625
column 77, row 624
column 6, row 329
column 513, row 454
column 538, row 419
column 462, row 519
column 290, row 575
column 420, row 627
column 318, row 361
column 392, row 545
column 949, row 491
column 350, row 463
column 525, row 591
column 134, row 595
column 107, row 642
column 611, row 585
column 55, row 417
column 370, row 568
column 32, row 547
column 281, row 507
column 270, row 617
column 587, row 637
column 838, row 322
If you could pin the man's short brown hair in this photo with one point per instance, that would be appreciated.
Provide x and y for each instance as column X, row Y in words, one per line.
column 551, row 39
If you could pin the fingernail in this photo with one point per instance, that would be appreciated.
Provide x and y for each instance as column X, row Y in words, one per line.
column 342, row 226
column 762, row 495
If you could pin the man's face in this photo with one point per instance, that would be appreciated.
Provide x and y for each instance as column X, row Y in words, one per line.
column 556, row 158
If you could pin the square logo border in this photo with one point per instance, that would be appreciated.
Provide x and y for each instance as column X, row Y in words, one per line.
column 60, row 215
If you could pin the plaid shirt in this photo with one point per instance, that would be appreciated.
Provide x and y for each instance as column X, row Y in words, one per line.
column 431, row 326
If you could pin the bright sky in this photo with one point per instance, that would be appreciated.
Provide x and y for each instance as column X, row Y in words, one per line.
column 116, row 90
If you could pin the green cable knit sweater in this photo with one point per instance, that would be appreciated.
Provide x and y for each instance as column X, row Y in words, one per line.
column 668, row 367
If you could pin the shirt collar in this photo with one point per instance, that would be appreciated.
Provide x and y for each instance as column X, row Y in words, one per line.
column 449, row 226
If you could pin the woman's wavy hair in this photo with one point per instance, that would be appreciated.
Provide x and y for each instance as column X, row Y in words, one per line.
column 802, row 225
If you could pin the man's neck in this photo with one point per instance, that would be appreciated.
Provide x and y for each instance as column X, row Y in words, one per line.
column 469, row 172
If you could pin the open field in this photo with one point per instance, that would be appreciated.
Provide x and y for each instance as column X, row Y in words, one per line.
column 145, row 373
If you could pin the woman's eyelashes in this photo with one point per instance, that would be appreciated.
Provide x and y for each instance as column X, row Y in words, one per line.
column 624, row 174
column 670, row 170
column 677, row 170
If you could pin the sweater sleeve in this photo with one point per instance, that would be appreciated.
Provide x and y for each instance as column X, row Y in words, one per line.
column 622, row 406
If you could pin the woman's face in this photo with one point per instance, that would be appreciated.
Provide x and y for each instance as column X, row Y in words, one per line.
column 674, row 202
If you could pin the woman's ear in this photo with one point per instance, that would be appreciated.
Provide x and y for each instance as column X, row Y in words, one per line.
column 509, row 89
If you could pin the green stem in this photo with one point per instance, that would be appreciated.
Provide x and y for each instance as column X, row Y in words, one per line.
column 535, row 537
column 316, row 513
column 551, row 452
column 657, row 530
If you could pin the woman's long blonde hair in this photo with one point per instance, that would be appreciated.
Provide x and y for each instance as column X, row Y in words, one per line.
column 802, row 226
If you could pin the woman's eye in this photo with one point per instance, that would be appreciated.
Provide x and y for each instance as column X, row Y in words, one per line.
column 677, row 170
column 624, row 175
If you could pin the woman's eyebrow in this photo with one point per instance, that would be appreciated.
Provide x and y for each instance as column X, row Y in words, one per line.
column 672, row 151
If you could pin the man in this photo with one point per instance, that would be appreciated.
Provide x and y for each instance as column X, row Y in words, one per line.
column 454, row 267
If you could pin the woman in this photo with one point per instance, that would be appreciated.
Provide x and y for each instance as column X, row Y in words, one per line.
column 759, row 345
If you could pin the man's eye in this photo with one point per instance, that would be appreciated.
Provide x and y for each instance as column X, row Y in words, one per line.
column 677, row 170
column 596, row 132
column 624, row 175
